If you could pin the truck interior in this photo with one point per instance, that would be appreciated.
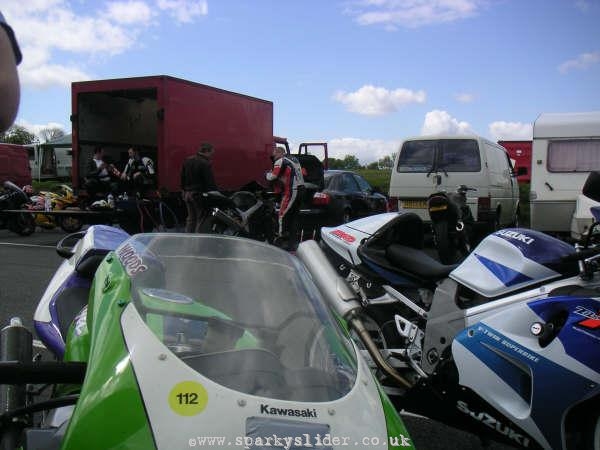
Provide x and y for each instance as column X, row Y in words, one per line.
column 116, row 120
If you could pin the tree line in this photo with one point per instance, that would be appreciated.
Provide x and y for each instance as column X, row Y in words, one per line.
column 19, row 135
column 351, row 162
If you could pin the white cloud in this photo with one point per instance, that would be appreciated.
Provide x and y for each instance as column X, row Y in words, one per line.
column 130, row 12
column 582, row 62
column 47, row 75
column 511, row 131
column 184, row 11
column 440, row 122
column 413, row 13
column 367, row 151
column 377, row 101
column 49, row 31
column 464, row 97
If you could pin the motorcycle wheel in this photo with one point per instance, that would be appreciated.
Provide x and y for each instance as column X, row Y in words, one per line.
column 591, row 436
column 443, row 244
column 23, row 224
column 70, row 224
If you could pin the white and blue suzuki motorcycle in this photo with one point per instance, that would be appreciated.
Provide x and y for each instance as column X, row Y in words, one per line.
column 505, row 344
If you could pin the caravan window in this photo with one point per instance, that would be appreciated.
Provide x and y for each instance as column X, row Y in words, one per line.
column 574, row 156
column 450, row 155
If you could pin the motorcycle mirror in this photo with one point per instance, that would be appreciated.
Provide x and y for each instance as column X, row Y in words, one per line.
column 65, row 247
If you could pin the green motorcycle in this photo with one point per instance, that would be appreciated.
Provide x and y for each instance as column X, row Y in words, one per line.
column 188, row 340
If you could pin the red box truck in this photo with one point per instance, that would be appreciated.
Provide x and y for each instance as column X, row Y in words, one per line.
column 167, row 119
column 14, row 164
column 520, row 152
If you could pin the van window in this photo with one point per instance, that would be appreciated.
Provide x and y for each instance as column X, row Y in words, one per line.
column 450, row 155
column 579, row 155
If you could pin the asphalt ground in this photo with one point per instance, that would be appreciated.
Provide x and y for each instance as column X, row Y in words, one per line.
column 28, row 263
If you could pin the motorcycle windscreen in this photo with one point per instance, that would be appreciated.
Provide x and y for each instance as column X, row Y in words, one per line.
column 241, row 313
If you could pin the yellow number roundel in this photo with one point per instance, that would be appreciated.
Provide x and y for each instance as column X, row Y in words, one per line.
column 188, row 398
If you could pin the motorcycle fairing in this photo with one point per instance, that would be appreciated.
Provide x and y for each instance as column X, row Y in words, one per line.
column 66, row 293
column 153, row 361
column 501, row 360
column 512, row 259
column 347, row 238
column 580, row 334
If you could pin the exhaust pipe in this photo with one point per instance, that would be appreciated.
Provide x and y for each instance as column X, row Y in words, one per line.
column 342, row 299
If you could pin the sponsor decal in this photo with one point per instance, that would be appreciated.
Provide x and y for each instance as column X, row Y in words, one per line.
column 289, row 412
column 515, row 235
column 508, row 344
column 494, row 424
column 592, row 320
column 131, row 260
column 343, row 236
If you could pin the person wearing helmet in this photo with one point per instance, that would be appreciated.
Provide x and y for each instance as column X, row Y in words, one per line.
column 288, row 180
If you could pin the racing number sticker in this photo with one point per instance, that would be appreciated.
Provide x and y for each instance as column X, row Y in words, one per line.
column 188, row 398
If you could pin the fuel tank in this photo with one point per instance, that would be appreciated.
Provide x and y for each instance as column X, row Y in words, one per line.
column 512, row 259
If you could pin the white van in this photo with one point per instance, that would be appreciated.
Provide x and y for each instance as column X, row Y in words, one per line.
column 566, row 148
column 426, row 164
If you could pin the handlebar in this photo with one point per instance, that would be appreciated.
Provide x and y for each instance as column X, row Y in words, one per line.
column 581, row 255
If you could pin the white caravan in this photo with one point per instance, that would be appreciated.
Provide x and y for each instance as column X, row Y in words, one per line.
column 566, row 148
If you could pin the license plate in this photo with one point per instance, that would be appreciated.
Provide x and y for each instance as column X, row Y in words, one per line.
column 414, row 204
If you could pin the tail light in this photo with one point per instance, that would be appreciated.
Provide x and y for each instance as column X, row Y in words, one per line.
column 321, row 199
column 392, row 204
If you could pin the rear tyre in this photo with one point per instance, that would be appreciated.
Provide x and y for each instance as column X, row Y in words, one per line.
column 443, row 244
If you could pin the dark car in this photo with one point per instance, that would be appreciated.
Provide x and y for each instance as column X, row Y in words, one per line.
column 346, row 196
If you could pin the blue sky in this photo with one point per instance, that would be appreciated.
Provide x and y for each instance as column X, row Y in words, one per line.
column 359, row 74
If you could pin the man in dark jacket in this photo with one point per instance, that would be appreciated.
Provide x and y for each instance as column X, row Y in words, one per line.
column 100, row 177
column 197, row 178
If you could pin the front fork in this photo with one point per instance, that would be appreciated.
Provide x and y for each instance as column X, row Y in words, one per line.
column 16, row 344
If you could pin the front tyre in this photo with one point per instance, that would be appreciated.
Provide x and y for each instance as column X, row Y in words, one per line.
column 70, row 224
column 583, row 428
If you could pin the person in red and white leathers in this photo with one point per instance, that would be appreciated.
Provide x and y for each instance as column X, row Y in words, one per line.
column 288, row 180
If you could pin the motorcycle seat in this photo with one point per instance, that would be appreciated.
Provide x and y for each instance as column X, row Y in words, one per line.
column 417, row 262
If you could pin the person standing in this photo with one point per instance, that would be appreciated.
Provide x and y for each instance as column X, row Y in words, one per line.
column 10, row 57
column 287, row 174
column 197, row 178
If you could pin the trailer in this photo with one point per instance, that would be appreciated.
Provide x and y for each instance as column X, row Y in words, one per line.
column 566, row 148
column 168, row 119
